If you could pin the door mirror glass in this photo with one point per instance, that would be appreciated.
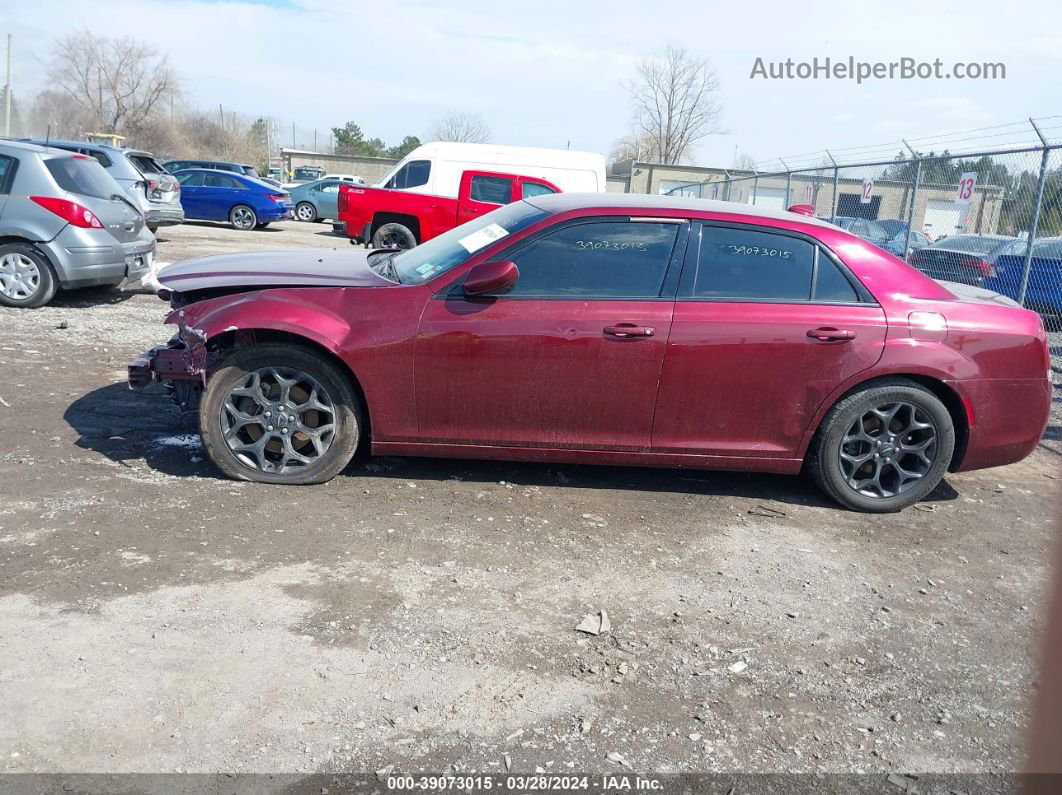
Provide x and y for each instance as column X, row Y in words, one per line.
column 490, row 277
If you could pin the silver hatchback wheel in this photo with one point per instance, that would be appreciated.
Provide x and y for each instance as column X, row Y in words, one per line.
column 20, row 278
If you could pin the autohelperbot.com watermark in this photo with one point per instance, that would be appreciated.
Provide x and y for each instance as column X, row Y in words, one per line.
column 852, row 69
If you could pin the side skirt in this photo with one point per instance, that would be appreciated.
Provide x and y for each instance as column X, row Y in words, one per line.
column 781, row 466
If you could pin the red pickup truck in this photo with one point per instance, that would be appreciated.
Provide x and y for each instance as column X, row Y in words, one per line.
column 402, row 219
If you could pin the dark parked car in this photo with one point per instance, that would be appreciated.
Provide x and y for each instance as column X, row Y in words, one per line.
column 245, row 202
column 174, row 166
column 967, row 259
column 870, row 231
column 897, row 230
column 610, row 329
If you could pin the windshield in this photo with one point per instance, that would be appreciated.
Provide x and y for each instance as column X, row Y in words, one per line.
column 440, row 254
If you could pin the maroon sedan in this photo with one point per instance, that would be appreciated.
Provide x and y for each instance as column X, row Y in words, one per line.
column 608, row 329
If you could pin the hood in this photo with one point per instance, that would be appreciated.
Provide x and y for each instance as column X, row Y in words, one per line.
column 308, row 267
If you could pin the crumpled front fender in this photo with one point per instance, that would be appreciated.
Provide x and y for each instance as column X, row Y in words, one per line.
column 283, row 310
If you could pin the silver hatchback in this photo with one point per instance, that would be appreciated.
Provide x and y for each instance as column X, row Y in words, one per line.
column 64, row 222
column 145, row 181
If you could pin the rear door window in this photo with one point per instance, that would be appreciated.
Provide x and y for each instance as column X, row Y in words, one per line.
column 748, row 264
column 81, row 175
column 191, row 178
column 7, row 173
column 221, row 181
column 492, row 190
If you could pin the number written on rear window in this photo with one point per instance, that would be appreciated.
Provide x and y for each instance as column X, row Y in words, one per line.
column 749, row 264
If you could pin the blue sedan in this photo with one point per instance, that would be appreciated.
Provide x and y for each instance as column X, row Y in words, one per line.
column 245, row 202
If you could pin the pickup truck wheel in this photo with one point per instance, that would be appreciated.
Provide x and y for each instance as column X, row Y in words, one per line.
column 394, row 236
column 884, row 447
column 279, row 413
column 243, row 217
column 26, row 278
column 305, row 211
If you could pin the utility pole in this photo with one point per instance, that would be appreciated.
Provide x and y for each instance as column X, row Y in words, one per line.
column 7, row 92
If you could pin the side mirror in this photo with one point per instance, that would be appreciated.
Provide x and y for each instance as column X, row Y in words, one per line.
column 490, row 277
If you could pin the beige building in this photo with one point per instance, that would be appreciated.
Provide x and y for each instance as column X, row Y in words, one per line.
column 370, row 169
column 935, row 210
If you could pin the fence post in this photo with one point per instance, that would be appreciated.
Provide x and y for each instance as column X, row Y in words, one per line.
column 836, row 183
column 911, row 206
column 1034, row 223
column 755, row 186
column 788, row 189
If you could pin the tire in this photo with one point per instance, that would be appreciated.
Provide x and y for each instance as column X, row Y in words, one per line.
column 237, row 447
column 153, row 228
column 852, row 432
column 304, row 211
column 394, row 236
column 26, row 277
column 243, row 218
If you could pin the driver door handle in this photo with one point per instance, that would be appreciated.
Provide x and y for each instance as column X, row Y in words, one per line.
column 830, row 334
column 628, row 331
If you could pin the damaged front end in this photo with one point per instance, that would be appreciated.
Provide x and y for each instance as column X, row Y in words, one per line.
column 182, row 365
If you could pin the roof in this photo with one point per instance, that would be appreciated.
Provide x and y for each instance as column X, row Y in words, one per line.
column 562, row 202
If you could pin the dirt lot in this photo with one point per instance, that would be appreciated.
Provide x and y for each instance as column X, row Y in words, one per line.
column 418, row 613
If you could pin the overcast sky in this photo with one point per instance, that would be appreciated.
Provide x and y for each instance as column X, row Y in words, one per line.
column 549, row 73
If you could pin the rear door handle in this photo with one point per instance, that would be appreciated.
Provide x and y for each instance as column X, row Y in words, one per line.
column 830, row 334
column 629, row 330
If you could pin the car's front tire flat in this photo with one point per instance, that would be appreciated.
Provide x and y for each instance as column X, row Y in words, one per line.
column 883, row 447
column 280, row 413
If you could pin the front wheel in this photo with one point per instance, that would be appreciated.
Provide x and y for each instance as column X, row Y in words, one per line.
column 884, row 447
column 279, row 413
column 394, row 236
column 304, row 211
column 243, row 217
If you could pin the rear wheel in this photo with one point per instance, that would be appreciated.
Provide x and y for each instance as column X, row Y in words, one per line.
column 394, row 236
column 884, row 447
column 243, row 217
column 304, row 211
column 26, row 278
column 279, row 413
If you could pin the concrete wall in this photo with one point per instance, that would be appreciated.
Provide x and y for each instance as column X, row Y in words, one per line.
column 371, row 169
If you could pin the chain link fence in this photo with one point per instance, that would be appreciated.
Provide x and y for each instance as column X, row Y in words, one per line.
column 989, row 218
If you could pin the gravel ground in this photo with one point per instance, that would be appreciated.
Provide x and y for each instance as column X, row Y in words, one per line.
column 420, row 613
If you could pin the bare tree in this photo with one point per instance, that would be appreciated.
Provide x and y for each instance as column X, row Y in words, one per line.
column 743, row 161
column 117, row 83
column 637, row 146
column 675, row 101
column 457, row 125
